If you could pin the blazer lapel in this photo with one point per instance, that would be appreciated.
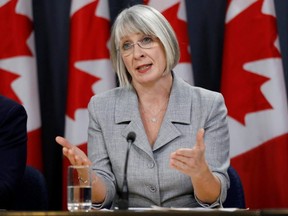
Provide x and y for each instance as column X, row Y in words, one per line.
column 127, row 111
column 178, row 111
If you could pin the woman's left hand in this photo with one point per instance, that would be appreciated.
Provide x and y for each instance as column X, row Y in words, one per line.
column 191, row 161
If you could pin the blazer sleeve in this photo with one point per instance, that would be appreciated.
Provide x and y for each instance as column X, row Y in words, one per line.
column 97, row 152
column 218, row 144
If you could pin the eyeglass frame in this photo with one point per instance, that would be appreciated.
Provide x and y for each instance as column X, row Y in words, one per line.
column 130, row 50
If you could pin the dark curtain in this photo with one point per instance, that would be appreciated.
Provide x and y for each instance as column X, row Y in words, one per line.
column 281, row 7
column 206, row 26
column 51, row 23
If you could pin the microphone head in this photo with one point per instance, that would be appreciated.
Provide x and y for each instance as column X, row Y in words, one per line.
column 131, row 137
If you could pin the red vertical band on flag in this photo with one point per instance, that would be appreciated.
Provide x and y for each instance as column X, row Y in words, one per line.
column 254, row 91
column 90, row 70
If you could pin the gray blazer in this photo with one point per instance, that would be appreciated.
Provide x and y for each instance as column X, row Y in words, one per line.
column 151, row 181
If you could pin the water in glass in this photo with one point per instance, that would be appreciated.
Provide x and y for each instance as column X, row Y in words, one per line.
column 79, row 198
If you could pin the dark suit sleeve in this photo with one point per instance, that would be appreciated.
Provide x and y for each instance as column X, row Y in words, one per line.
column 13, row 150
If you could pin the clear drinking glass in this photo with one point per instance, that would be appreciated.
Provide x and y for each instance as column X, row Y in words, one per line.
column 79, row 188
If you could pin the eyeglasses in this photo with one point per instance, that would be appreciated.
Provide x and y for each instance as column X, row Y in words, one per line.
column 146, row 42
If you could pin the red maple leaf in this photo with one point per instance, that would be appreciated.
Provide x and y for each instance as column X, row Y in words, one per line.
column 5, row 87
column 250, row 36
column 89, row 38
column 181, row 29
column 15, row 29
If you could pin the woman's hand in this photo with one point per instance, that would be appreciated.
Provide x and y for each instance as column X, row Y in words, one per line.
column 191, row 161
column 75, row 155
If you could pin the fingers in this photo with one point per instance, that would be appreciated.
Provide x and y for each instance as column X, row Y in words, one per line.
column 200, row 139
column 182, row 153
column 178, row 164
column 75, row 155
column 63, row 142
column 190, row 160
column 182, row 163
column 184, row 156
column 199, row 145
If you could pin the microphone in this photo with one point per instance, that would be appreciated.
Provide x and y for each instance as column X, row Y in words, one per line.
column 123, row 202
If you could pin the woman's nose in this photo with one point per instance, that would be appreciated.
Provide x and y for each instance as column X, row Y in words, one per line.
column 137, row 50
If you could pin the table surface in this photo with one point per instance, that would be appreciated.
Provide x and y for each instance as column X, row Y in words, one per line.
column 214, row 212
column 132, row 212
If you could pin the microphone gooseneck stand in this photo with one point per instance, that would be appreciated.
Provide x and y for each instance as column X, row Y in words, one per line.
column 123, row 202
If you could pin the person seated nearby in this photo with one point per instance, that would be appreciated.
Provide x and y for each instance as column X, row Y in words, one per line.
column 13, row 149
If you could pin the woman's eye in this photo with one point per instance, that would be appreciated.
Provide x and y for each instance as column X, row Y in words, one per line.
column 126, row 46
column 146, row 40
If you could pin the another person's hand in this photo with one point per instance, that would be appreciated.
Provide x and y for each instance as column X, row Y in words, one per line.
column 191, row 161
column 75, row 155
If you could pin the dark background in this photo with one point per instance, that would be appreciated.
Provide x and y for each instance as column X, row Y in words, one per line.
column 51, row 24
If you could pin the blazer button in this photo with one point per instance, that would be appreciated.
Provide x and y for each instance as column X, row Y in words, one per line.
column 151, row 165
column 152, row 188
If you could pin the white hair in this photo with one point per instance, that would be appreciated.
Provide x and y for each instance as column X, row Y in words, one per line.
column 147, row 20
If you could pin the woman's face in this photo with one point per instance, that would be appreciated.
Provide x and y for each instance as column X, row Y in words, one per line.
column 144, row 58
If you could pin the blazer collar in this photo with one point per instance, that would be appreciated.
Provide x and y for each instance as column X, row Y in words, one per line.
column 126, row 108
column 178, row 111
column 126, row 111
column 179, row 107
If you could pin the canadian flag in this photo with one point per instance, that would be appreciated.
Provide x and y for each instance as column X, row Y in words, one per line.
column 254, row 90
column 90, row 69
column 18, row 74
column 175, row 12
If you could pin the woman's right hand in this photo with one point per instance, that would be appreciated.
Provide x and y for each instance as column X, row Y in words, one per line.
column 75, row 155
